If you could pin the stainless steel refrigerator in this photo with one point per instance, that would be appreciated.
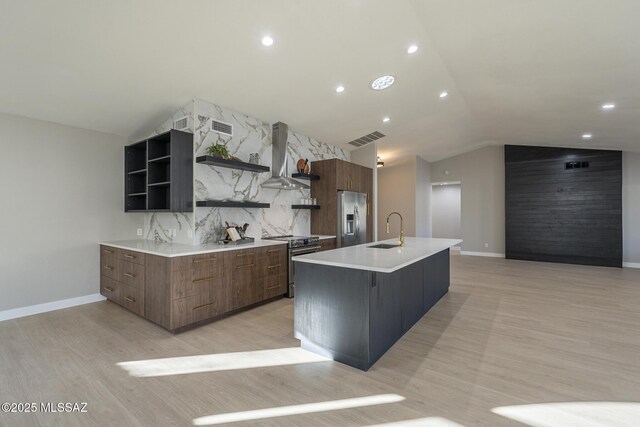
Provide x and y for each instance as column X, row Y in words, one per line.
column 352, row 218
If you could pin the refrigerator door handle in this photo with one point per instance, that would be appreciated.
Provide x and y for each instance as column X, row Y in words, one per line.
column 357, row 218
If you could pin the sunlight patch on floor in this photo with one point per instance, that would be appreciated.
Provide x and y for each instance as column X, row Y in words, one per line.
column 583, row 414
column 220, row 362
column 306, row 408
column 421, row 422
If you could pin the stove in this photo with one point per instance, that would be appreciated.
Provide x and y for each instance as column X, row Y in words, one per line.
column 297, row 241
column 298, row 245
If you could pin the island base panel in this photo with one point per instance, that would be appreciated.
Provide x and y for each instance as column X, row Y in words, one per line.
column 354, row 316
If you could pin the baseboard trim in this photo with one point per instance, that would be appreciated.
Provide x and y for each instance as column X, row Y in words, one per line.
column 49, row 306
column 631, row 264
column 485, row 254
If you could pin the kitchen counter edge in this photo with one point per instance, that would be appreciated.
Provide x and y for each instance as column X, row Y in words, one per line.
column 172, row 250
column 360, row 257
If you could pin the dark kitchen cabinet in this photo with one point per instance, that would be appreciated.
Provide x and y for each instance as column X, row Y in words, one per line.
column 159, row 173
column 337, row 175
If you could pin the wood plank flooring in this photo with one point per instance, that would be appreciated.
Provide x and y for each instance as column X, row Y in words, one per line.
column 508, row 333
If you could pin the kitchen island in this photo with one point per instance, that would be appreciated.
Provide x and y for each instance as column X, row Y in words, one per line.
column 352, row 304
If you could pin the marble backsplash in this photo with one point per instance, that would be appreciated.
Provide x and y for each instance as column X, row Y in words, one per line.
column 250, row 135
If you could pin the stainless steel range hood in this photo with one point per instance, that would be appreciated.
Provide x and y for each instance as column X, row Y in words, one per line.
column 280, row 177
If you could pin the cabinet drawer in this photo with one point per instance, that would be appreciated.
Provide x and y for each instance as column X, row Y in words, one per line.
column 205, row 266
column 192, row 309
column 131, row 274
column 110, row 289
column 274, row 255
column 197, row 273
column 132, row 299
column 243, row 260
column 108, row 262
column 131, row 256
column 275, row 285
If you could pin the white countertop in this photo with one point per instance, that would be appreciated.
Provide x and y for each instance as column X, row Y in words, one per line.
column 363, row 257
column 180, row 249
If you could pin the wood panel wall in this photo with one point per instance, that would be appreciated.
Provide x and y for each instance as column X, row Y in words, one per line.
column 555, row 214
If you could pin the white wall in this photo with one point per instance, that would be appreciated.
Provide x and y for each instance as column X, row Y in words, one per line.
column 446, row 211
column 368, row 156
column 396, row 192
column 481, row 173
column 405, row 188
column 631, row 208
column 62, row 192
column 423, row 198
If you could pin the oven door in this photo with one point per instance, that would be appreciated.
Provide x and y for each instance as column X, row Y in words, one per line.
column 292, row 269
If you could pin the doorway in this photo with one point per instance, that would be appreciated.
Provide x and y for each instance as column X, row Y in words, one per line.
column 446, row 210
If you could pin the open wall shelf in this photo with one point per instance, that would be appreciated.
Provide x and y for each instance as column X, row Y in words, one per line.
column 231, row 164
column 230, row 204
column 159, row 173
column 305, row 206
column 309, row 176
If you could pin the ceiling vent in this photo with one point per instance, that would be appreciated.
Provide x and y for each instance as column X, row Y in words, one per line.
column 364, row 140
column 222, row 127
column 181, row 124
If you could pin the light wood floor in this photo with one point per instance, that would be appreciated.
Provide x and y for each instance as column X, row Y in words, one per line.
column 508, row 333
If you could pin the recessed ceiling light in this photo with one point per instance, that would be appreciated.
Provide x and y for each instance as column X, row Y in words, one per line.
column 382, row 82
column 267, row 41
column 386, row 119
column 587, row 136
column 608, row 106
column 443, row 94
column 412, row 49
column 340, row 89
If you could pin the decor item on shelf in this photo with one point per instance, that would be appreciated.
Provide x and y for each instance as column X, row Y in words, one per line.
column 303, row 166
column 219, row 150
column 254, row 158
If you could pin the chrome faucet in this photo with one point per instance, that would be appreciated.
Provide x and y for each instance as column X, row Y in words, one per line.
column 401, row 240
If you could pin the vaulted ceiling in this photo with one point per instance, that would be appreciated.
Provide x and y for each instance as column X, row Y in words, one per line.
column 517, row 71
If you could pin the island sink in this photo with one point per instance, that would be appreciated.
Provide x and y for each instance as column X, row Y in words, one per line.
column 383, row 246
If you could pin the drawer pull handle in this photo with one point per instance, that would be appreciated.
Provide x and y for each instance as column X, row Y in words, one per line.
column 196, row 261
column 203, row 306
column 129, row 299
column 273, row 266
column 129, row 256
column 249, row 254
column 130, row 275
column 272, row 251
column 208, row 279
column 108, row 289
column 273, row 287
column 108, row 251
column 107, row 267
column 244, row 265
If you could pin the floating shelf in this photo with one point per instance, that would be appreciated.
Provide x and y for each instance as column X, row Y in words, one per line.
column 163, row 159
column 159, row 184
column 305, row 206
column 230, row 204
column 308, row 176
column 231, row 164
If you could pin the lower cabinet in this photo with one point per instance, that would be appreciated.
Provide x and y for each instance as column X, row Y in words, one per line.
column 327, row 244
column 181, row 291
